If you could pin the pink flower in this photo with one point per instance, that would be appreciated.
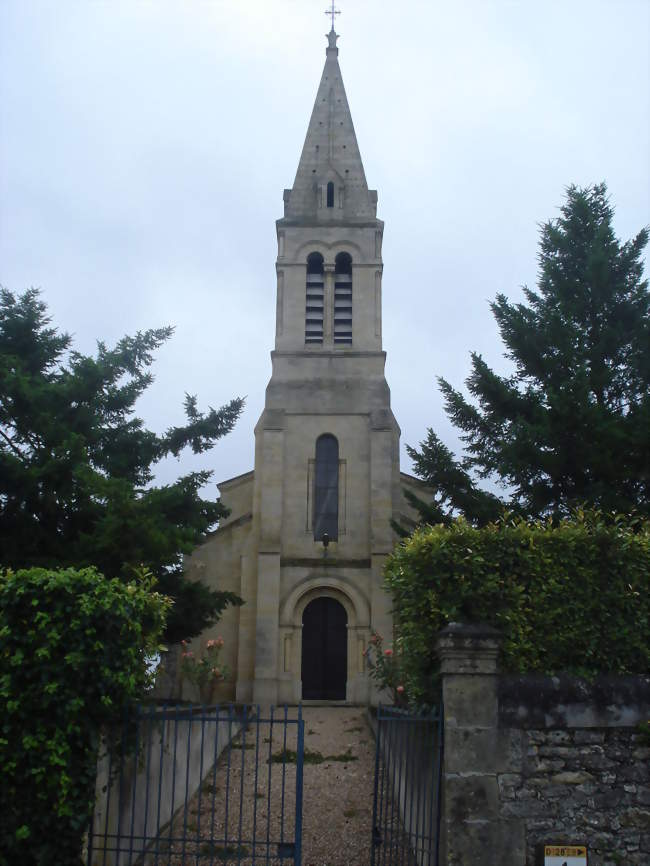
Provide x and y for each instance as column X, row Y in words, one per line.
column 183, row 643
column 216, row 672
column 219, row 642
column 388, row 652
column 211, row 643
column 399, row 689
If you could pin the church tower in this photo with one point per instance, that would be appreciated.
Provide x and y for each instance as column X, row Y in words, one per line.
column 310, row 527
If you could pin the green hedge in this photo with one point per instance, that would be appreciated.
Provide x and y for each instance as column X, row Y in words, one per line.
column 572, row 597
column 73, row 649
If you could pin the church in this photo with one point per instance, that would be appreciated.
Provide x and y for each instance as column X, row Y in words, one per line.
column 309, row 528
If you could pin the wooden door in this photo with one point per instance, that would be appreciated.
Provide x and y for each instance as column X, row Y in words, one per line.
column 324, row 650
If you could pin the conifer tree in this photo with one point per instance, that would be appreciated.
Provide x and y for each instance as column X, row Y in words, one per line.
column 76, row 464
column 571, row 425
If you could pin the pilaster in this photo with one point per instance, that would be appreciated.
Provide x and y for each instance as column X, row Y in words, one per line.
column 267, row 663
column 247, row 627
column 475, row 751
column 271, row 472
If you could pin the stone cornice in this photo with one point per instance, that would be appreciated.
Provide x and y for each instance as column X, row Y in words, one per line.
column 320, row 353
column 322, row 562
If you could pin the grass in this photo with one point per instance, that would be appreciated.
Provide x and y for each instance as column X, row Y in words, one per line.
column 310, row 756
column 350, row 813
column 353, row 730
column 209, row 849
column 344, row 758
column 237, row 743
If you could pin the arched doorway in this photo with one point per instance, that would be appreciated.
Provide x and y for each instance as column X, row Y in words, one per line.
column 324, row 650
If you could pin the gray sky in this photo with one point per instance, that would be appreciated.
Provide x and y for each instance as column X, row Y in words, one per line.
column 144, row 148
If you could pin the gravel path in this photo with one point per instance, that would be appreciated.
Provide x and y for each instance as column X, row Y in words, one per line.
column 233, row 803
column 337, row 800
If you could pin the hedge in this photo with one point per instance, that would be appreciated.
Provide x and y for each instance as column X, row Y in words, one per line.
column 73, row 648
column 571, row 597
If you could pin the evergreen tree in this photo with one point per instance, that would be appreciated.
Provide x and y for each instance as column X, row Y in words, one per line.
column 76, row 464
column 571, row 425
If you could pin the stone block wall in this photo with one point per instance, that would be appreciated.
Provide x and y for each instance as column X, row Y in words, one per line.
column 532, row 761
column 588, row 786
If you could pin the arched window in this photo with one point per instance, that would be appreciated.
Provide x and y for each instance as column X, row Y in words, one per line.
column 330, row 194
column 343, row 299
column 326, row 488
column 314, row 298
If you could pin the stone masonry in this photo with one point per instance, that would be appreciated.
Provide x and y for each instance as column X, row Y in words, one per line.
column 327, row 381
column 536, row 760
column 585, row 784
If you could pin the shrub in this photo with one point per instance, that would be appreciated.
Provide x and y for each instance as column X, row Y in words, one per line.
column 74, row 647
column 205, row 670
column 570, row 597
column 385, row 668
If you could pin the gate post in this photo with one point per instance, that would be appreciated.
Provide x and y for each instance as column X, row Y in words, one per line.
column 475, row 752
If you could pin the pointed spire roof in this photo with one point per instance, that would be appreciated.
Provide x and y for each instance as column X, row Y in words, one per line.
column 330, row 153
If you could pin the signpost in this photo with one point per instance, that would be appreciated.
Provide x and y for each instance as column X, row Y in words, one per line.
column 565, row 855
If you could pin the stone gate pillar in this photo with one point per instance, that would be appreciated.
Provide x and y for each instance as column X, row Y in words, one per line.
column 475, row 752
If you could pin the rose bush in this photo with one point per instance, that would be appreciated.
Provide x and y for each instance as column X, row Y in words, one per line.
column 384, row 667
column 205, row 670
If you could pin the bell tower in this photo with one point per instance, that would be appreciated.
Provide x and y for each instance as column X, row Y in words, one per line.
column 310, row 528
column 330, row 228
column 327, row 444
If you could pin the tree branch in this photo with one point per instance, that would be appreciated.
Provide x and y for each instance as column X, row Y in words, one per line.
column 9, row 442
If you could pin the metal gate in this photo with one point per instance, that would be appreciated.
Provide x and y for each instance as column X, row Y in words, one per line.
column 406, row 804
column 200, row 785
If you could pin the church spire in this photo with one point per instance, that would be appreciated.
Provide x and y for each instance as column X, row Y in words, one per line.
column 330, row 183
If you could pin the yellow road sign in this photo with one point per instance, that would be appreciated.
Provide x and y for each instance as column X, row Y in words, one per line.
column 565, row 855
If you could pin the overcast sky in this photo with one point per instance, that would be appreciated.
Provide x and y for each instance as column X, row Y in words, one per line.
column 145, row 147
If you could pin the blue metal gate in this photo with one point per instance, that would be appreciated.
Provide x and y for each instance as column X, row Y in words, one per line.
column 201, row 786
column 406, row 804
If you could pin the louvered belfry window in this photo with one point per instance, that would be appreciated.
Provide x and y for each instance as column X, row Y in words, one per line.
column 326, row 488
column 315, row 297
column 343, row 299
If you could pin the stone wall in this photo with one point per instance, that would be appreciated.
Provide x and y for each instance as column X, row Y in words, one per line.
column 533, row 761
column 588, row 785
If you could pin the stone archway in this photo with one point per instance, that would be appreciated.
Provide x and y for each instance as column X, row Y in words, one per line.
column 324, row 656
column 357, row 631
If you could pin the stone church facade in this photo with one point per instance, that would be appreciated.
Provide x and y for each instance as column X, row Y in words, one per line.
column 310, row 527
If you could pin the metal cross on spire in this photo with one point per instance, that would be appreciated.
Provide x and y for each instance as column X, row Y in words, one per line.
column 333, row 12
